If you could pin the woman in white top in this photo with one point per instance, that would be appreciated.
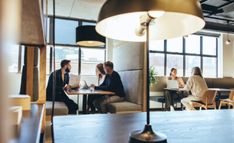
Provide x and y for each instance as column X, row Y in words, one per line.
column 100, row 72
column 197, row 85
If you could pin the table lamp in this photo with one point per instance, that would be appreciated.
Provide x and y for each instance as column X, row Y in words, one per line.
column 87, row 36
column 144, row 20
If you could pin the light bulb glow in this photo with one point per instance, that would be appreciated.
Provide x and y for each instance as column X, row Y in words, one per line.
column 156, row 14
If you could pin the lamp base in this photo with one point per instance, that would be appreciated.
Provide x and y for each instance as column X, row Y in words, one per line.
column 147, row 136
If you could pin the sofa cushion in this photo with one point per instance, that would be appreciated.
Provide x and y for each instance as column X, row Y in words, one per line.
column 125, row 106
column 133, row 85
column 59, row 108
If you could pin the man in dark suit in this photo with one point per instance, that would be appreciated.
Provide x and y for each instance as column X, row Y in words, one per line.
column 112, row 83
column 62, row 82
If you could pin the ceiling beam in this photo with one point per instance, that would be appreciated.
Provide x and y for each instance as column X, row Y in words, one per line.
column 219, row 27
column 202, row 1
column 218, row 18
column 225, row 4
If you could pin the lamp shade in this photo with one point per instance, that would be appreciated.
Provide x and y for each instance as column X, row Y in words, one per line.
column 119, row 19
column 88, row 37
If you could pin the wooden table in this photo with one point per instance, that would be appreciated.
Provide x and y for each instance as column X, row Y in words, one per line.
column 211, row 126
column 169, row 97
column 30, row 128
column 85, row 93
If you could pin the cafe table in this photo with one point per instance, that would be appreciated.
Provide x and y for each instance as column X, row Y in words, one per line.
column 169, row 97
column 205, row 126
column 85, row 93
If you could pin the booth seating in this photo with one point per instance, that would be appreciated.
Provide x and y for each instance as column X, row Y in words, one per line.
column 211, row 83
column 132, row 82
column 128, row 59
column 59, row 108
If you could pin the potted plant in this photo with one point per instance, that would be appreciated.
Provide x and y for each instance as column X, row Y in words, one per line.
column 153, row 78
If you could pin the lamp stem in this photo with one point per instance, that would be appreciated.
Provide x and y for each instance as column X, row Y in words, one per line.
column 147, row 71
column 54, row 75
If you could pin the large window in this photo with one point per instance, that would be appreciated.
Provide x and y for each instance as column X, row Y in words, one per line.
column 16, row 56
column 184, row 54
column 65, row 31
column 89, row 59
column 157, row 61
column 70, row 53
column 83, row 60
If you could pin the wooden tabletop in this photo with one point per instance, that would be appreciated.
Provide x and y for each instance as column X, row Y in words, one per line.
column 30, row 128
column 217, row 89
column 221, row 89
column 89, row 92
column 180, row 127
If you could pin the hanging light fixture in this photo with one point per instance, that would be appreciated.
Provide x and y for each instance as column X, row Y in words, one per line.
column 228, row 41
column 143, row 20
column 88, row 37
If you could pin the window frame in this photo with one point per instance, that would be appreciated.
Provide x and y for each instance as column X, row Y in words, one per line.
column 49, row 42
column 184, row 54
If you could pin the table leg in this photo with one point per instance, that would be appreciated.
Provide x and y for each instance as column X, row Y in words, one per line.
column 84, row 103
column 167, row 101
column 77, row 100
column 218, row 99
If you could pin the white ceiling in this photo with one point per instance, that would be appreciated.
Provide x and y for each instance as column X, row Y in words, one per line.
column 82, row 9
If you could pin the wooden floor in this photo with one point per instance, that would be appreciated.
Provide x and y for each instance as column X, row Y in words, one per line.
column 180, row 127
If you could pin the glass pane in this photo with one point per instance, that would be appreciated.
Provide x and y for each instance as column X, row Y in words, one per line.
column 209, row 45
column 89, row 59
column 65, row 31
column 89, row 23
column 175, row 61
column 191, row 61
column 209, row 67
column 47, row 30
column 192, row 44
column 13, row 52
column 156, row 45
column 48, row 59
column 157, row 61
column 69, row 53
column 175, row 45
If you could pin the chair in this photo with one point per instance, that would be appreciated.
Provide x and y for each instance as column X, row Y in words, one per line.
column 207, row 102
column 229, row 101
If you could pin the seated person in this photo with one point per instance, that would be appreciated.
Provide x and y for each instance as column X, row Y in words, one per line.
column 112, row 83
column 173, row 76
column 62, row 81
column 197, row 85
column 100, row 72
column 174, row 94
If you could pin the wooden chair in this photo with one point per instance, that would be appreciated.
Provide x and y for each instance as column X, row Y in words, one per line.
column 229, row 101
column 207, row 102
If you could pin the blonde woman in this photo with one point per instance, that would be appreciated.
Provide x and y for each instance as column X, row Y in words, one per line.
column 197, row 85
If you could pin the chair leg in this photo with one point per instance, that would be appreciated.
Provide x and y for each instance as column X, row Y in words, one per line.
column 220, row 105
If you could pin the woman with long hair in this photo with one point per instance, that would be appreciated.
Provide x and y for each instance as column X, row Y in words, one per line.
column 197, row 85
column 173, row 76
column 100, row 72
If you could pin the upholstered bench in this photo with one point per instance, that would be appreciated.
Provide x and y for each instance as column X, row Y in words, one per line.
column 59, row 108
column 124, row 107
column 133, row 86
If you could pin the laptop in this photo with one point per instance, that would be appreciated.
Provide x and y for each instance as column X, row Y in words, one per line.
column 83, row 85
column 172, row 84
